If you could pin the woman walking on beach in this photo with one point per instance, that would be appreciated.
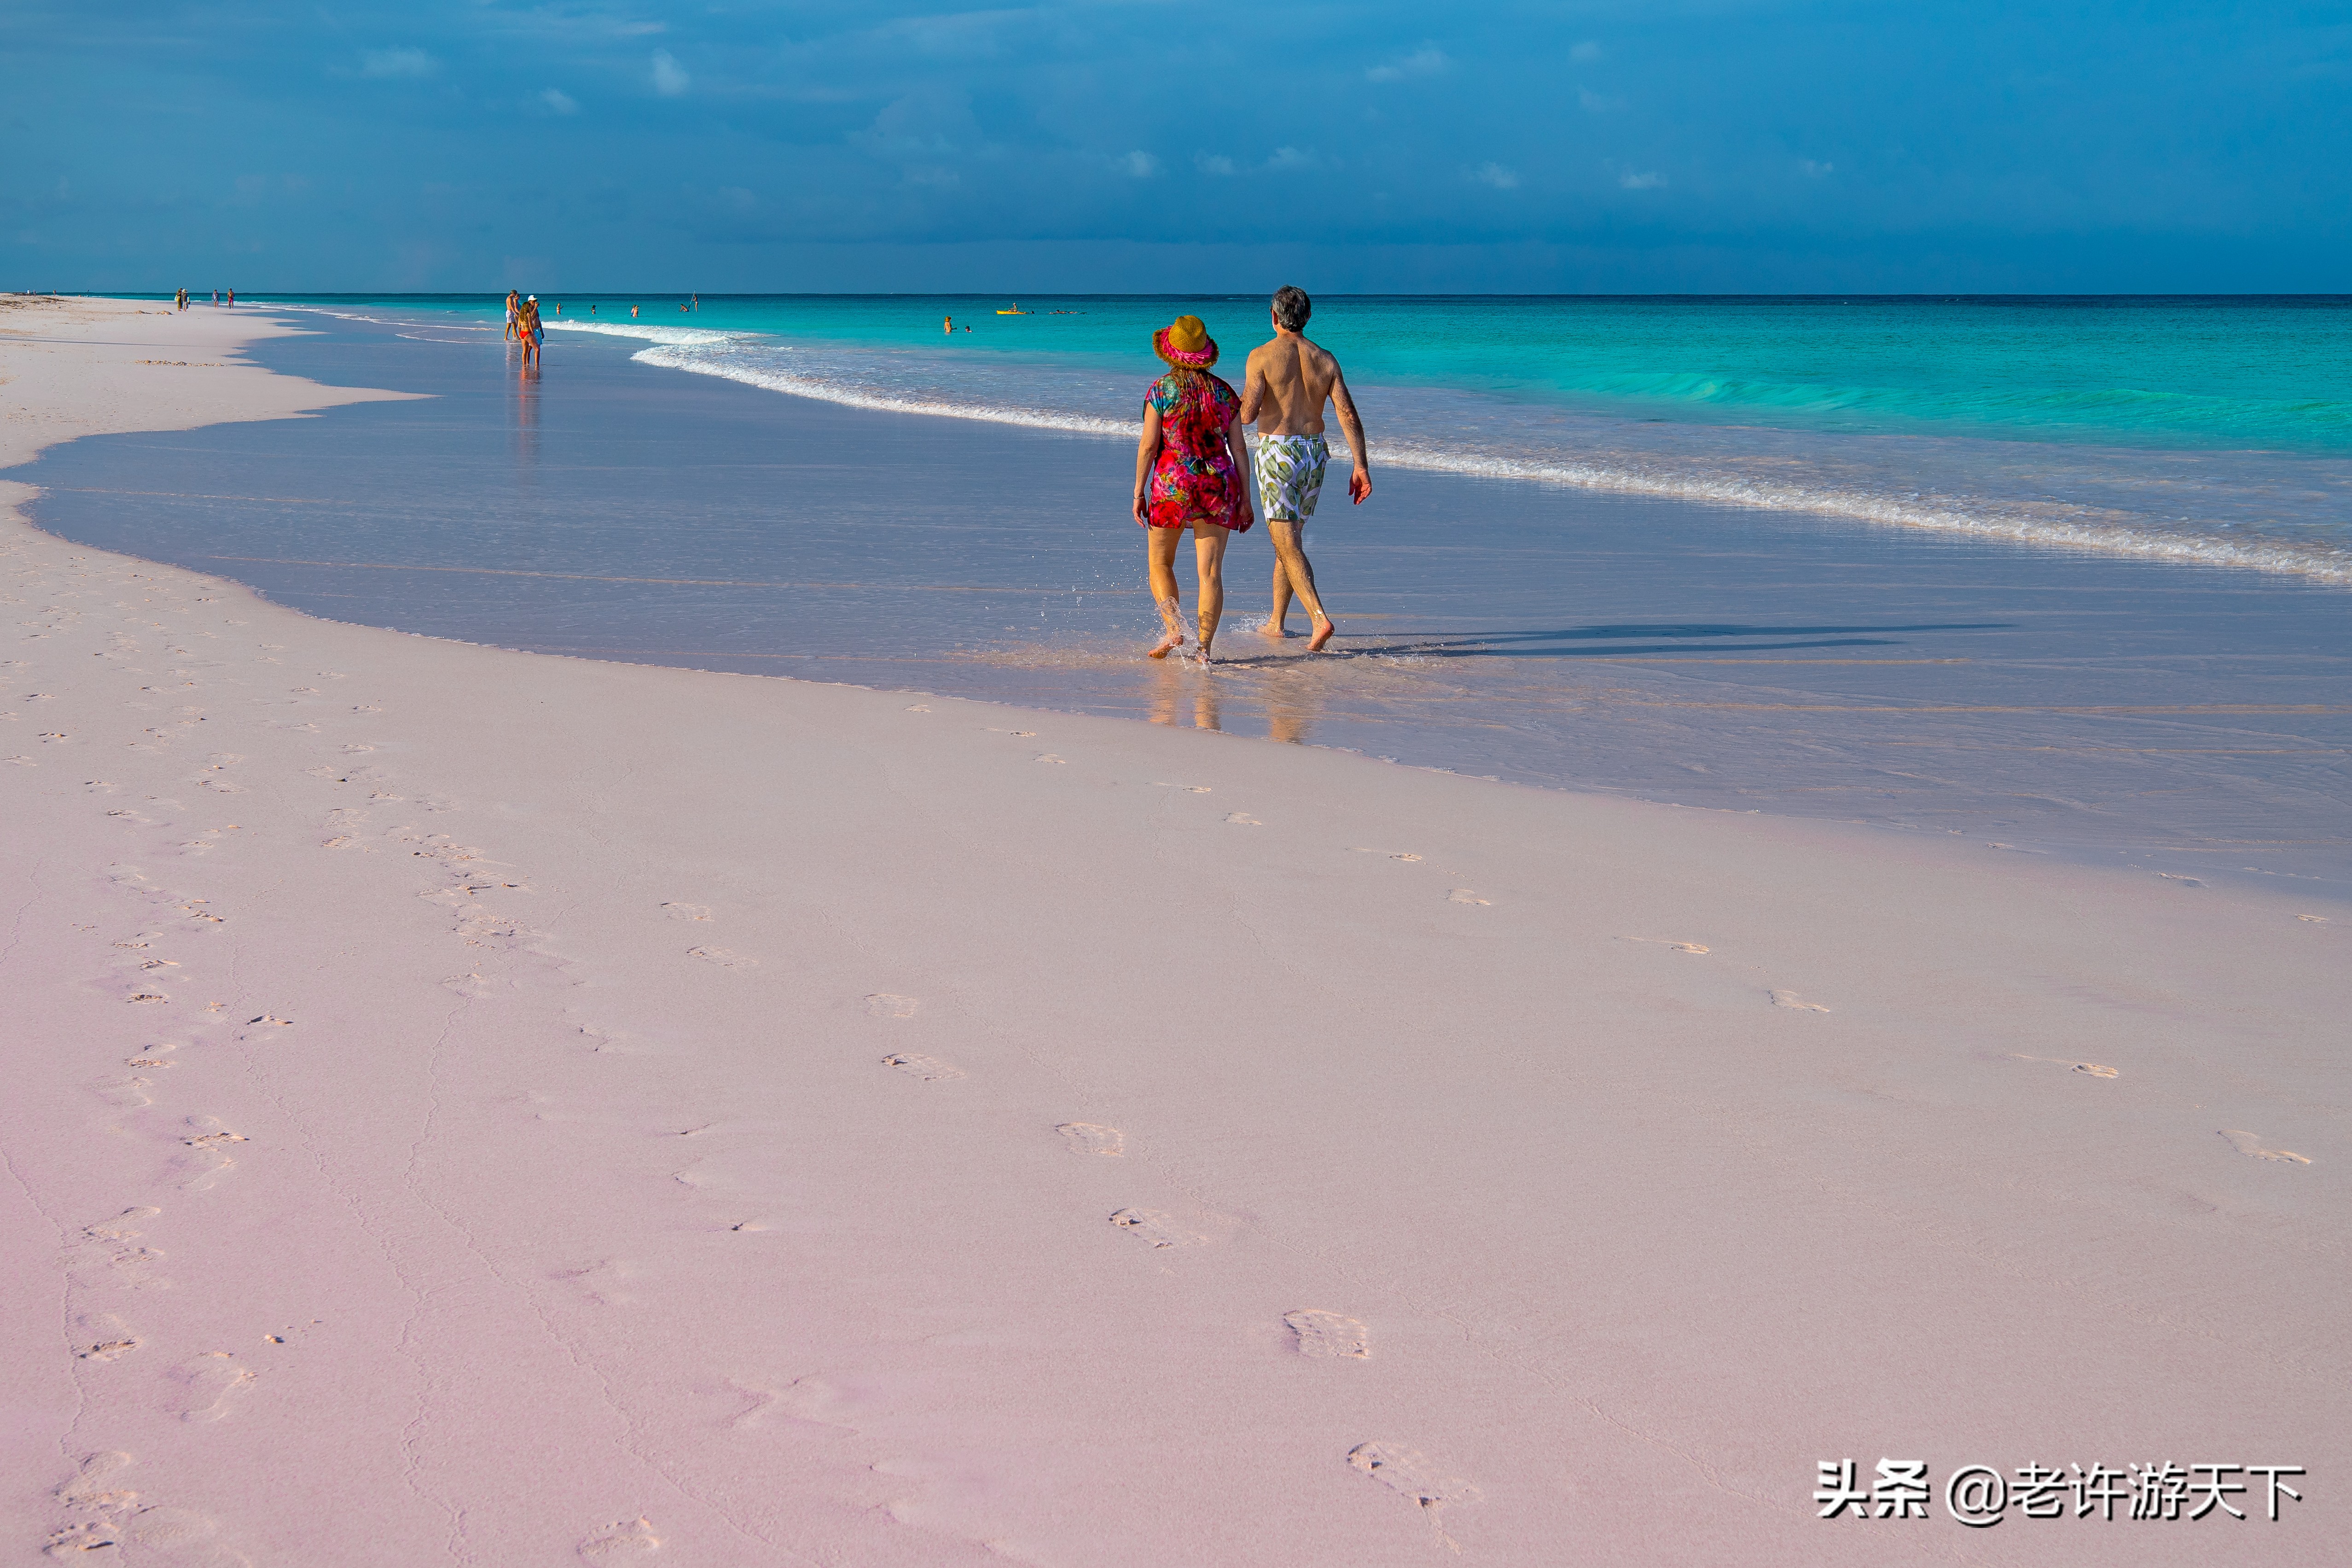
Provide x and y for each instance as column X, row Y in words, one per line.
column 1188, row 474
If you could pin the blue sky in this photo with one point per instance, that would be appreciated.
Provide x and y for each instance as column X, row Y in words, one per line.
column 1675, row 145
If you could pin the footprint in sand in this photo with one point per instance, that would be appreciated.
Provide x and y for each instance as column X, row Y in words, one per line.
column 919, row 707
column 1405, row 855
column 1050, row 757
column 1409, row 1474
column 2251, row 1145
column 620, row 1542
column 1188, row 789
column 687, row 911
column 102, row 1337
column 1153, row 1226
column 1243, row 819
column 179, row 1535
column 94, row 1487
column 1464, row 896
column 212, row 1143
column 1327, row 1335
column 1661, row 941
column 1086, row 1138
column 726, row 958
column 2314, row 919
column 2089, row 1070
column 214, row 1381
column 930, row 1069
column 1795, row 1003
column 884, row 1005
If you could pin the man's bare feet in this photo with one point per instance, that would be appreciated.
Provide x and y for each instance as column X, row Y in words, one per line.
column 1273, row 629
column 1324, row 631
column 1168, row 643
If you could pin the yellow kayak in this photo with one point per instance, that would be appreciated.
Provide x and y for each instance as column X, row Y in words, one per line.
column 1016, row 311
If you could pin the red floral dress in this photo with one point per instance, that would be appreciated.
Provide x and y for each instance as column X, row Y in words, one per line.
column 1194, row 477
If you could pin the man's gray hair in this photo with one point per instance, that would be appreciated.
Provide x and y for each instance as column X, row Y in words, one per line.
column 1292, row 307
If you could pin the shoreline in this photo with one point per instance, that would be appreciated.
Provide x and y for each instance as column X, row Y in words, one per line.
column 549, row 1106
column 2040, row 523
column 2103, row 710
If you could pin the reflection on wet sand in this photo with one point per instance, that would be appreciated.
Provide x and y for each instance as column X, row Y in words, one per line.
column 1172, row 683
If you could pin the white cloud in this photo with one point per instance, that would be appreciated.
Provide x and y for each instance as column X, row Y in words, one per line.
column 396, row 64
column 561, row 102
column 1212, row 163
column 1593, row 103
column 1496, row 176
column 1641, row 182
column 1139, row 165
column 1291, row 160
column 1816, row 171
column 669, row 77
column 1426, row 60
column 1585, row 51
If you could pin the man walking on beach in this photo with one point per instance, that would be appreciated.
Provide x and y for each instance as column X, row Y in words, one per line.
column 1290, row 379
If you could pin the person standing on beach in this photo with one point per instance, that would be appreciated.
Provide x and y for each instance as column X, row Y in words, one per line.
column 1189, row 469
column 514, row 311
column 1289, row 380
column 527, row 329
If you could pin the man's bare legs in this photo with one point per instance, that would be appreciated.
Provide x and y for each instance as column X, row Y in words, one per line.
column 1209, row 541
column 1293, row 574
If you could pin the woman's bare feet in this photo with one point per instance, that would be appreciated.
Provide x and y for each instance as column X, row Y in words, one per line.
column 1169, row 641
column 1324, row 630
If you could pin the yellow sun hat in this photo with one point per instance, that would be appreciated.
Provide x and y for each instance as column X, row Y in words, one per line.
column 1185, row 342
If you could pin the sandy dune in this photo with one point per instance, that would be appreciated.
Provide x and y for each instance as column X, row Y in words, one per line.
column 468, row 1105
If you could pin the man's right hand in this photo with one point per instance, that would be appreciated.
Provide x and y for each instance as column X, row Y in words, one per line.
column 1359, row 484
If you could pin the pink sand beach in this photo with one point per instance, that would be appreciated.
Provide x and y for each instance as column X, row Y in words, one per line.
column 476, row 1107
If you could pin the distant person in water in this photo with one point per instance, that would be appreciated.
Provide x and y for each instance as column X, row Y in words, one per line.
column 1289, row 380
column 951, row 325
column 527, row 328
column 633, row 312
column 1189, row 472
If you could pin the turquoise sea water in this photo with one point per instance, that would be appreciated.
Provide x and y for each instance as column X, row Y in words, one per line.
column 2217, row 430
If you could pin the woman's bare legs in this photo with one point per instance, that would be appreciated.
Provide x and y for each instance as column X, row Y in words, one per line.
column 1161, row 546
column 1209, row 541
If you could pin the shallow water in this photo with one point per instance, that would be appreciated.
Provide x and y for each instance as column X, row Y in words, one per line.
column 2209, row 429
column 2190, row 719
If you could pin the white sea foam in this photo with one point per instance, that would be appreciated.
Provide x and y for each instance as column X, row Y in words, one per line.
column 2040, row 501
column 764, row 362
column 697, row 336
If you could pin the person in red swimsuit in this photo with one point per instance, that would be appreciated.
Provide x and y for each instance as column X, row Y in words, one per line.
column 1189, row 471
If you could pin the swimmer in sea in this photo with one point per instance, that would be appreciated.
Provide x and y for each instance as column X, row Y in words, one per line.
column 951, row 326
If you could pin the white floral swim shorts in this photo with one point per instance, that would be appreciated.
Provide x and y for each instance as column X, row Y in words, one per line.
column 1290, row 475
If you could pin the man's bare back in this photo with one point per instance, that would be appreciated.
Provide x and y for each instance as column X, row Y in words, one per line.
column 1289, row 380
